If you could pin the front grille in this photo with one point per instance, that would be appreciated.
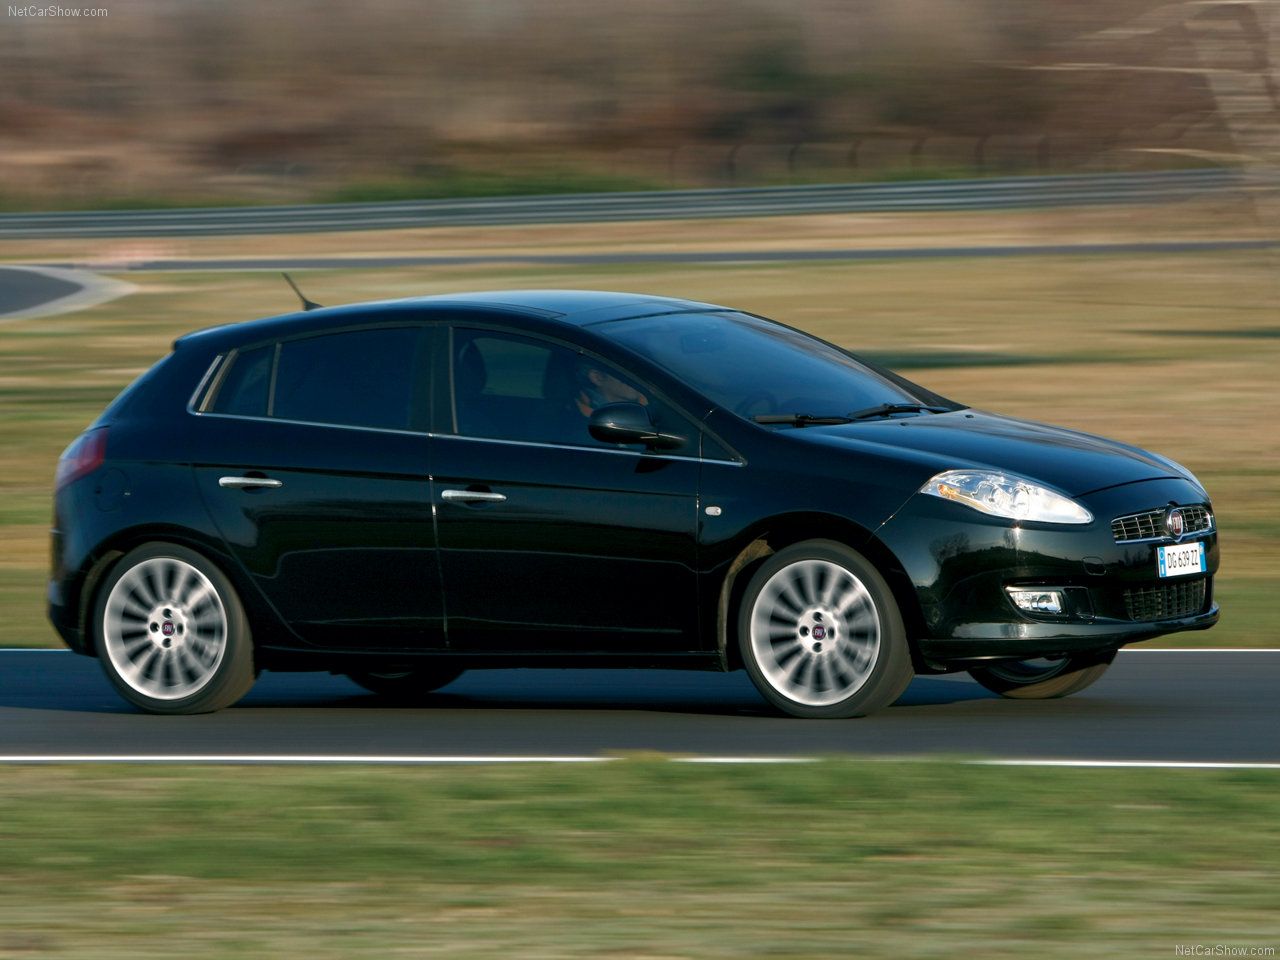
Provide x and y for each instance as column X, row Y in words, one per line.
column 1150, row 525
column 1166, row 601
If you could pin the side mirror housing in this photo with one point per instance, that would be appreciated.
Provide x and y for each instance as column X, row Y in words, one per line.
column 630, row 423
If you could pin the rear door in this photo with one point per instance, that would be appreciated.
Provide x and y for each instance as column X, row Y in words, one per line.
column 550, row 541
column 316, row 472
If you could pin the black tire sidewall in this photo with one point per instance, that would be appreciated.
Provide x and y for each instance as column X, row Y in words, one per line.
column 235, row 674
column 892, row 671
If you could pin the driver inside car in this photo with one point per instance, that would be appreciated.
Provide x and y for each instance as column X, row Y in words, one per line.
column 599, row 387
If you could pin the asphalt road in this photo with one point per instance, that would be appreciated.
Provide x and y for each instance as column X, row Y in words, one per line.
column 1152, row 706
column 21, row 289
column 39, row 291
column 987, row 193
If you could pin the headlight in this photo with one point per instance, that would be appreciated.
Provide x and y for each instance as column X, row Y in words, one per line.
column 1002, row 495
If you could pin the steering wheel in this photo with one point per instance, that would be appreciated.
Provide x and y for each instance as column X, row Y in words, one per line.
column 755, row 399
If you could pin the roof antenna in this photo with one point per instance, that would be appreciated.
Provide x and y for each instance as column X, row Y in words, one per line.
column 306, row 304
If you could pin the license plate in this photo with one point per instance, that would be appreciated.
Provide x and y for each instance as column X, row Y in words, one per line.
column 1180, row 560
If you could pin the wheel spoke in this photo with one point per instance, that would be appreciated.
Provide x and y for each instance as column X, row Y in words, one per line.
column 786, row 650
column 856, row 655
column 837, row 585
column 797, row 674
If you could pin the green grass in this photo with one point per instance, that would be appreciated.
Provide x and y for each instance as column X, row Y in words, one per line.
column 637, row 858
column 1148, row 349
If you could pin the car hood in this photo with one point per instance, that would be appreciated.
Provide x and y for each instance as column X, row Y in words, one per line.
column 1076, row 463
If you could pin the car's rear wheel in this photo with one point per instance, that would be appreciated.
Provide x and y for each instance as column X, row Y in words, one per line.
column 171, row 632
column 821, row 634
column 406, row 685
column 1042, row 679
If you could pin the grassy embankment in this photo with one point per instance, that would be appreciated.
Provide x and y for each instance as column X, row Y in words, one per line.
column 1173, row 352
column 637, row 858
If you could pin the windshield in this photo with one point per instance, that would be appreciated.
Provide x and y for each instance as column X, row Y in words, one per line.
column 758, row 368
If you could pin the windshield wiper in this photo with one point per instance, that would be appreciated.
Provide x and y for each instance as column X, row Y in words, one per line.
column 888, row 409
column 799, row 419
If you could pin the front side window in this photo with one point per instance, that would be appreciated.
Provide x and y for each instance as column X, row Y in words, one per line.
column 509, row 387
column 362, row 378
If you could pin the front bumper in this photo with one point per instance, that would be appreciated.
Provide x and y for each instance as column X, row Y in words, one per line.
column 1023, row 641
column 960, row 564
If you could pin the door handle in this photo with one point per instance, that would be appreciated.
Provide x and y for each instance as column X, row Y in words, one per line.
column 248, row 483
column 472, row 496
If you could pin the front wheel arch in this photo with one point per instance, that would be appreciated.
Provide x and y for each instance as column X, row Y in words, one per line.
column 784, row 532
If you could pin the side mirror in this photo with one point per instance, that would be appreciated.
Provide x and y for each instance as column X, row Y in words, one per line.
column 630, row 423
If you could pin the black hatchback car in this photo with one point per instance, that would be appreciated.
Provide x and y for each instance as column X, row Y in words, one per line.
column 404, row 490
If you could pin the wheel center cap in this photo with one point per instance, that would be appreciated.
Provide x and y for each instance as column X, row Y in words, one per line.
column 167, row 628
column 819, row 632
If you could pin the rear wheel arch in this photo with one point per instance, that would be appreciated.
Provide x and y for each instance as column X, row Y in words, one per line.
column 171, row 631
column 112, row 551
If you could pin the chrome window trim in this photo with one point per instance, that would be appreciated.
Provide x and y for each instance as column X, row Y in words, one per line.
column 310, row 423
column 199, row 392
column 574, row 446
column 458, row 436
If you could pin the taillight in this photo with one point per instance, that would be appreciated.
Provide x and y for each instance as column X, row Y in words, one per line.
column 84, row 456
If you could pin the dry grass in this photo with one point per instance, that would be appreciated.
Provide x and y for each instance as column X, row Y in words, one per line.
column 1172, row 352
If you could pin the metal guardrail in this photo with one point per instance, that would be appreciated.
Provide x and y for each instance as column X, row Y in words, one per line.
column 985, row 194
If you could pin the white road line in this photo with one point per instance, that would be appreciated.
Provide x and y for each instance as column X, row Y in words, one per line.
column 285, row 759
column 1129, row 764
column 322, row 760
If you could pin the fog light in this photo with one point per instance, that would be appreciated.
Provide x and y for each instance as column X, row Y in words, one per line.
column 1038, row 601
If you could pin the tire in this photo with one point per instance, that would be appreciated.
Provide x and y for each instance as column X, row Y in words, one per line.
column 171, row 632
column 821, row 635
column 1042, row 679
column 406, row 686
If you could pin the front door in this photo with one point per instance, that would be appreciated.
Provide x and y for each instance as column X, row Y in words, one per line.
column 550, row 541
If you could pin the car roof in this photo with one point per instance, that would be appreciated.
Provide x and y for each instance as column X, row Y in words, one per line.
column 573, row 307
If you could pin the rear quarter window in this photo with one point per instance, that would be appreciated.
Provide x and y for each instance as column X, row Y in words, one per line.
column 244, row 389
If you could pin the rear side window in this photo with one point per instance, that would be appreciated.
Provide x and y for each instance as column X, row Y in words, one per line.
column 244, row 389
column 360, row 378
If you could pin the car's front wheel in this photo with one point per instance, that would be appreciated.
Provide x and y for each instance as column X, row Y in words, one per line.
column 821, row 634
column 171, row 632
column 1042, row 679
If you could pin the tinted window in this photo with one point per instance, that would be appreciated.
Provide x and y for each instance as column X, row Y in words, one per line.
column 244, row 389
column 753, row 366
column 516, row 388
column 361, row 378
